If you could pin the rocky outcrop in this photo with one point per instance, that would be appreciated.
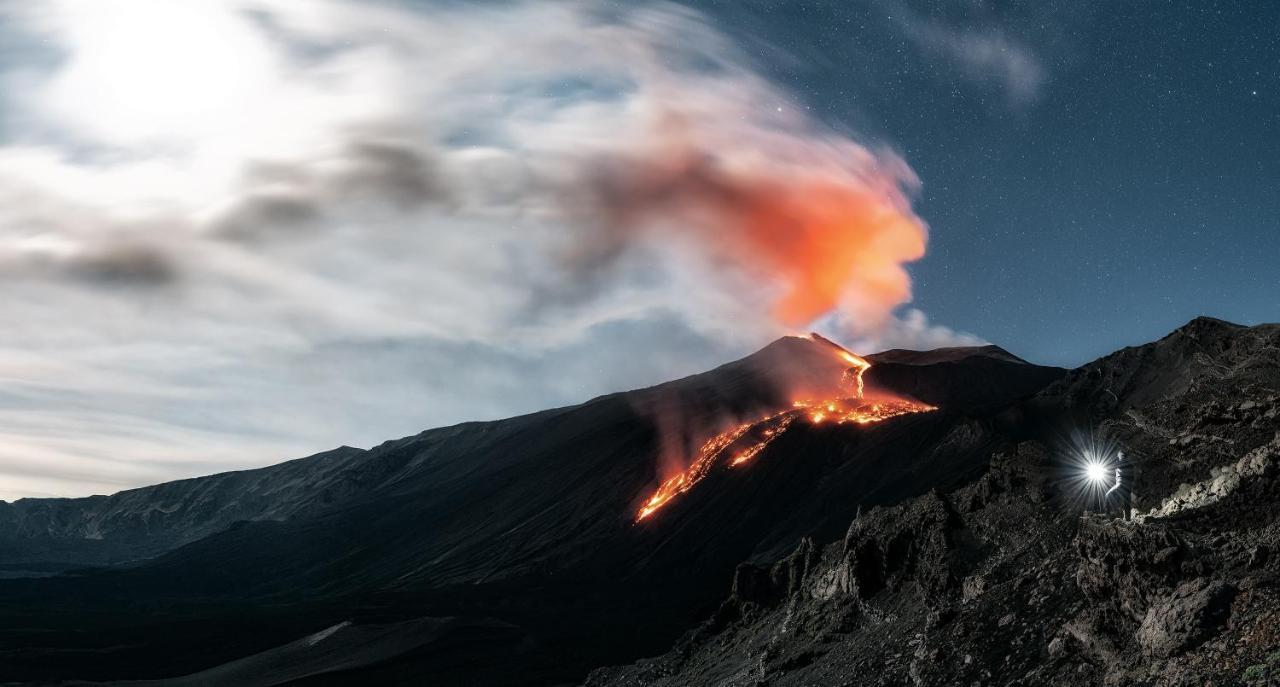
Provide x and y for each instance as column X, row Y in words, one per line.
column 1130, row 565
column 889, row 547
column 1222, row 481
column 1183, row 619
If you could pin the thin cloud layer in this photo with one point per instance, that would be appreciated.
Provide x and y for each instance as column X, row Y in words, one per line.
column 233, row 231
column 986, row 56
column 979, row 48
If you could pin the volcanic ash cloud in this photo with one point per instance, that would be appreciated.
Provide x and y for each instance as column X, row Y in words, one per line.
column 247, row 184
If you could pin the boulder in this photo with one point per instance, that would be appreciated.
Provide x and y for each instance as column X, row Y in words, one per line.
column 1185, row 618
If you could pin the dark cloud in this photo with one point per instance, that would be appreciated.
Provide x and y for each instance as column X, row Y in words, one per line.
column 263, row 212
column 102, row 261
column 394, row 171
column 124, row 262
column 279, row 198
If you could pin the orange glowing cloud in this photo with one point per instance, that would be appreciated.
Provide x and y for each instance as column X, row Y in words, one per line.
column 825, row 243
column 821, row 226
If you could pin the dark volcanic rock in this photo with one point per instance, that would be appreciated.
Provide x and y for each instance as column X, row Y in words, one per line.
column 1001, row 580
column 1131, row 564
column 959, row 377
column 910, row 542
column 1193, row 359
column 1193, row 612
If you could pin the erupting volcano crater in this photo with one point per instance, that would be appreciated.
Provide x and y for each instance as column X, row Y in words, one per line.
column 738, row 445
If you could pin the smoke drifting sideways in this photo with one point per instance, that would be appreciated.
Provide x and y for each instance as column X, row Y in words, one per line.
column 627, row 133
column 259, row 183
column 825, row 224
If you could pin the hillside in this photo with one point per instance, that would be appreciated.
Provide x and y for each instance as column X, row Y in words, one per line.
column 1003, row 581
column 526, row 524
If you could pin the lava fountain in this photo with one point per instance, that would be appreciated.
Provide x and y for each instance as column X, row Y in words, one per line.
column 740, row 444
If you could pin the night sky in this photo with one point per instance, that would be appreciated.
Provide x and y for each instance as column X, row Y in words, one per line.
column 1135, row 186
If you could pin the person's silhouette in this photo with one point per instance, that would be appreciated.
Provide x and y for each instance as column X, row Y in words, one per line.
column 1107, row 495
column 1122, row 490
column 1124, row 480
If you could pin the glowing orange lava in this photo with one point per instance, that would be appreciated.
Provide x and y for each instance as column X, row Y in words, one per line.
column 858, row 366
column 742, row 443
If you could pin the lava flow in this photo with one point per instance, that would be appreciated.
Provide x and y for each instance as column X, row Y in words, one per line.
column 742, row 443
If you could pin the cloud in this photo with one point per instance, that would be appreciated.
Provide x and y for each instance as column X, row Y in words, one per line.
column 978, row 44
column 296, row 224
column 986, row 56
column 831, row 226
column 909, row 329
column 103, row 262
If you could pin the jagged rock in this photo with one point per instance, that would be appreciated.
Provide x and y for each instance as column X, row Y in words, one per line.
column 1222, row 481
column 1184, row 618
column 901, row 542
column 1128, row 565
column 790, row 573
column 1258, row 556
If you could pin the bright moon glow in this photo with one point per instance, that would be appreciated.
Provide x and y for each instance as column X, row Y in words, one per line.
column 147, row 70
column 1095, row 471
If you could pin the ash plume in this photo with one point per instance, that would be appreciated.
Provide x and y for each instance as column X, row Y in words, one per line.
column 826, row 226
column 291, row 179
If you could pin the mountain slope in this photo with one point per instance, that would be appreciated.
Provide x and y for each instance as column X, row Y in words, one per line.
column 968, row 377
column 527, row 521
column 53, row 534
column 138, row 523
column 1002, row 580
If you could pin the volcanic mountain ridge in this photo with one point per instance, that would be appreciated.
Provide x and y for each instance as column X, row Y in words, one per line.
column 509, row 552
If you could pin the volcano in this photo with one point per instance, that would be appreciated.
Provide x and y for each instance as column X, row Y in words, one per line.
column 831, row 512
column 847, row 402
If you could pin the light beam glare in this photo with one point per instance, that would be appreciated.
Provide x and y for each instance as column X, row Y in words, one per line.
column 1088, row 461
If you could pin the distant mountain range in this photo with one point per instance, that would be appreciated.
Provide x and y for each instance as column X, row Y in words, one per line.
column 508, row 552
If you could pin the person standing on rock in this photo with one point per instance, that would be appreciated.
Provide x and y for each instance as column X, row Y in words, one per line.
column 1122, row 490
column 1129, row 475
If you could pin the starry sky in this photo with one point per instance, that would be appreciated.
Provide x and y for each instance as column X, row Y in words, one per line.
column 1124, row 179
column 234, row 232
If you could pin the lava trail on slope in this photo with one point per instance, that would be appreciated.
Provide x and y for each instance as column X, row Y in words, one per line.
column 740, row 444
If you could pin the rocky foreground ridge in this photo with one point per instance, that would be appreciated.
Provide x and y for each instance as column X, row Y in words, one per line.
column 1003, row 581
